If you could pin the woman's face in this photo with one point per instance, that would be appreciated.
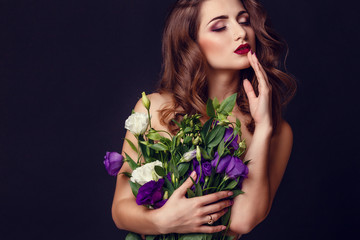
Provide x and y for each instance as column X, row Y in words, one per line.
column 224, row 27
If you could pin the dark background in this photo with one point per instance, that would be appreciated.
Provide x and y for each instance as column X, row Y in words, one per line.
column 71, row 71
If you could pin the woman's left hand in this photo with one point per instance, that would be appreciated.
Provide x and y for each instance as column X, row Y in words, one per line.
column 260, row 106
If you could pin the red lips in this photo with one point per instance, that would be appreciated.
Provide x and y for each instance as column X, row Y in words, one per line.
column 243, row 49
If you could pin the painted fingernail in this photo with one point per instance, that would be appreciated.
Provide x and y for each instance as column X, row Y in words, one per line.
column 231, row 202
column 223, row 228
column 251, row 51
column 230, row 193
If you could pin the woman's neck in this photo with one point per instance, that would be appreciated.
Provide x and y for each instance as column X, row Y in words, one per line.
column 222, row 83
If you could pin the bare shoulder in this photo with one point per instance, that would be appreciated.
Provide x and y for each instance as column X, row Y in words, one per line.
column 284, row 132
column 158, row 102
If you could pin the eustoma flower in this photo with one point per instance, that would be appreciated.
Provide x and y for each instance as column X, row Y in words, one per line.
column 146, row 173
column 113, row 162
column 151, row 194
column 228, row 136
column 236, row 168
column 137, row 123
column 205, row 167
column 223, row 163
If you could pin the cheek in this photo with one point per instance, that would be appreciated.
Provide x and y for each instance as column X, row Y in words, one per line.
column 211, row 47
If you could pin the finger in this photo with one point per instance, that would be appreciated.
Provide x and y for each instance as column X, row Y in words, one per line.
column 213, row 197
column 261, row 68
column 210, row 229
column 217, row 207
column 249, row 89
column 260, row 74
column 187, row 184
column 215, row 216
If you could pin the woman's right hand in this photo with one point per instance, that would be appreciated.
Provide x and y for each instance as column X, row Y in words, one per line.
column 189, row 215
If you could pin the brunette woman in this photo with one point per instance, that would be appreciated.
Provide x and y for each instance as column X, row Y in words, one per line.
column 214, row 48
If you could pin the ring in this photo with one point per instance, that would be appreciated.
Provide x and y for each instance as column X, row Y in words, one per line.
column 211, row 221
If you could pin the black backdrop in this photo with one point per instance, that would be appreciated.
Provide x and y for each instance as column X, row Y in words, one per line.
column 71, row 71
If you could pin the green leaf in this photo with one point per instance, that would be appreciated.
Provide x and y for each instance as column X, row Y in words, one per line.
column 143, row 148
column 218, row 136
column 126, row 174
column 226, row 217
column 210, row 136
column 160, row 171
column 231, row 185
column 150, row 237
column 228, row 104
column 196, row 236
column 133, row 236
column 221, row 148
column 169, row 185
column 183, row 168
column 154, row 136
column 236, row 193
column 216, row 103
column 131, row 145
column 187, row 139
column 159, row 147
column 188, row 129
column 190, row 193
column 207, row 126
column 131, row 162
column 210, row 111
column 198, row 190
column 134, row 187
column 204, row 154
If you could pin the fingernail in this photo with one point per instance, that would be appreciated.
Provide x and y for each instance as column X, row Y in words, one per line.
column 223, row 228
column 230, row 193
column 193, row 174
column 231, row 202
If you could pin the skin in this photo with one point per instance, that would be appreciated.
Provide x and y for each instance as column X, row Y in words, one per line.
column 269, row 154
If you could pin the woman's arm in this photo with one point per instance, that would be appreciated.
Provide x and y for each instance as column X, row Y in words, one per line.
column 179, row 214
column 268, row 155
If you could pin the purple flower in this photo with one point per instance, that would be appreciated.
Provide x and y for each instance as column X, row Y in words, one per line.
column 236, row 168
column 223, row 163
column 113, row 162
column 151, row 194
column 205, row 167
column 228, row 136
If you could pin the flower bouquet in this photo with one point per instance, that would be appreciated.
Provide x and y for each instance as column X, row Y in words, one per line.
column 164, row 163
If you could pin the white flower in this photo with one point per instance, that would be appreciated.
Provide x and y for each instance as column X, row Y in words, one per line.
column 146, row 173
column 137, row 123
column 188, row 156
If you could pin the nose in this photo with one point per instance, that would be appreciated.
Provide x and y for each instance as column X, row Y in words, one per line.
column 238, row 32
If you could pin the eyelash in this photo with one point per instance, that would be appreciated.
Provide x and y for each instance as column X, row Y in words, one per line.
column 247, row 23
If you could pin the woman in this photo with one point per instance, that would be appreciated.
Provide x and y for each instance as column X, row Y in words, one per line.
column 214, row 48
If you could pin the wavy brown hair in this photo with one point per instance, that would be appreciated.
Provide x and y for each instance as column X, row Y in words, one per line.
column 183, row 69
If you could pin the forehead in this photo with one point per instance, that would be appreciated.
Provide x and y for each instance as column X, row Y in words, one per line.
column 213, row 8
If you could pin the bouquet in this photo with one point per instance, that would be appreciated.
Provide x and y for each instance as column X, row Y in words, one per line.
column 164, row 163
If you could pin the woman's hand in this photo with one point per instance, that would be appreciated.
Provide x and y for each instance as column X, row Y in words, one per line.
column 188, row 215
column 260, row 106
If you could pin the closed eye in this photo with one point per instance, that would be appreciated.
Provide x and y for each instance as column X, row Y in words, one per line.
column 219, row 29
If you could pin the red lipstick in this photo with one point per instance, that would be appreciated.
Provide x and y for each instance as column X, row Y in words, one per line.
column 243, row 49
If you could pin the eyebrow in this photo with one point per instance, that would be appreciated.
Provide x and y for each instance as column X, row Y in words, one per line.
column 226, row 16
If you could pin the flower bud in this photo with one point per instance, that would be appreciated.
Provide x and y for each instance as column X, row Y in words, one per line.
column 145, row 101
column 198, row 153
column 188, row 156
column 196, row 141
column 155, row 177
column 173, row 178
column 242, row 144
column 166, row 195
